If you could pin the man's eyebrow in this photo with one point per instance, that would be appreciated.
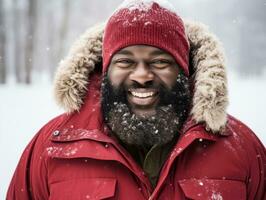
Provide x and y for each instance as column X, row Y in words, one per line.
column 124, row 52
column 158, row 52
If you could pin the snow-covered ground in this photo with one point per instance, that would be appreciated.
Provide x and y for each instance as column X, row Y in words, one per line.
column 25, row 109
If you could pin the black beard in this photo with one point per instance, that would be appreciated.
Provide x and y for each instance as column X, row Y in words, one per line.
column 145, row 132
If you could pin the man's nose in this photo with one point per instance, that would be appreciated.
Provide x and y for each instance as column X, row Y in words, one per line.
column 142, row 73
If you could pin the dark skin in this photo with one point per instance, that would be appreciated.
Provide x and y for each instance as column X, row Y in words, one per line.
column 147, row 67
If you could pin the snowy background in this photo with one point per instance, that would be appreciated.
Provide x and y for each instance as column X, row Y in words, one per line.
column 25, row 108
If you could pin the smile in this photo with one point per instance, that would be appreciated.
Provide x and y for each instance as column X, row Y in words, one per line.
column 143, row 94
column 144, row 97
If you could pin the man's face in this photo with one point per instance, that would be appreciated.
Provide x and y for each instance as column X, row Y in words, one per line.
column 145, row 97
column 142, row 70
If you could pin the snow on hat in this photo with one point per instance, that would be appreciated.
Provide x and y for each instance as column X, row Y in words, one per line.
column 146, row 22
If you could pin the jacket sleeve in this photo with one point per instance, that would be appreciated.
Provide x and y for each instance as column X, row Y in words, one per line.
column 19, row 187
column 29, row 180
column 256, row 179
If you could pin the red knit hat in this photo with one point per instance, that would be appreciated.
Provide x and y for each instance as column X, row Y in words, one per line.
column 146, row 22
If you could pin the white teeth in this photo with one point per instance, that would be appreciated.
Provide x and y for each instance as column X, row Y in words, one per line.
column 142, row 94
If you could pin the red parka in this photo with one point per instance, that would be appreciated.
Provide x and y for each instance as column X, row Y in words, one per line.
column 74, row 157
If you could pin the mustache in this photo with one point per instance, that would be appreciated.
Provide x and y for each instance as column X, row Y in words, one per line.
column 146, row 85
column 161, row 88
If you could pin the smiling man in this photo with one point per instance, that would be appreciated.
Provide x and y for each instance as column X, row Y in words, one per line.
column 146, row 99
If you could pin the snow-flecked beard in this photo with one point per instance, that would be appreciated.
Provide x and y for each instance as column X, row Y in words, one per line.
column 140, row 131
column 145, row 132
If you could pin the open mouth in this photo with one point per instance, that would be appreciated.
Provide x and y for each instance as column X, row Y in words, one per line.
column 142, row 94
column 142, row 97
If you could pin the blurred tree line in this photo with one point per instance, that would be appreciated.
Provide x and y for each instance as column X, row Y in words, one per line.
column 253, row 37
column 36, row 34
column 241, row 25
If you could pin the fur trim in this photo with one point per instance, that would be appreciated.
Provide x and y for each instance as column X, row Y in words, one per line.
column 72, row 76
column 210, row 97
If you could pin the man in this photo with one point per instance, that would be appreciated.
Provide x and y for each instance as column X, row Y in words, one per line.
column 146, row 118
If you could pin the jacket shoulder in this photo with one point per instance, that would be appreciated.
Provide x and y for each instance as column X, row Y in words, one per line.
column 241, row 131
column 51, row 126
column 243, row 137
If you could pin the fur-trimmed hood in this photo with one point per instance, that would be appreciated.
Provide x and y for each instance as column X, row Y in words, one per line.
column 210, row 98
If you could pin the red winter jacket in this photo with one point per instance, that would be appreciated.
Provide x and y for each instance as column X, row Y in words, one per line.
column 74, row 157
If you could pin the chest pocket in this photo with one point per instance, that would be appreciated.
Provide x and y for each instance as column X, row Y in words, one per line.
column 213, row 189
column 87, row 188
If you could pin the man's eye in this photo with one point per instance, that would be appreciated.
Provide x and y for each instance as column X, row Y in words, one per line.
column 161, row 63
column 124, row 62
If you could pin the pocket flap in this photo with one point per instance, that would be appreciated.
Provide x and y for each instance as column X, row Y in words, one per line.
column 89, row 188
column 213, row 189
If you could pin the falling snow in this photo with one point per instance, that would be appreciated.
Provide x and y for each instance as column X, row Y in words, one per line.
column 147, row 23
column 200, row 183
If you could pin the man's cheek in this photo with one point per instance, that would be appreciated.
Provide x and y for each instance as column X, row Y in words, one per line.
column 117, row 77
